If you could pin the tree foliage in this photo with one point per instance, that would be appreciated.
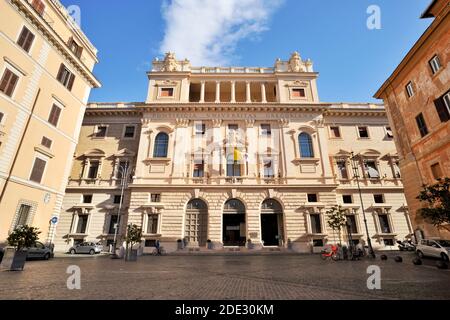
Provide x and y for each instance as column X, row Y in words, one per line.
column 23, row 237
column 134, row 235
column 437, row 197
column 336, row 219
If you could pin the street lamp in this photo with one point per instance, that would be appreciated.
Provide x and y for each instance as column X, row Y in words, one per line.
column 356, row 175
column 124, row 182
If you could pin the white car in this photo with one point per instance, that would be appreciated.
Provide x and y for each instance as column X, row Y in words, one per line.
column 434, row 248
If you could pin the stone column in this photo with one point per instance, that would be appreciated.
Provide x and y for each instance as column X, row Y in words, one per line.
column 233, row 91
column 217, row 91
column 202, row 92
column 248, row 92
column 263, row 93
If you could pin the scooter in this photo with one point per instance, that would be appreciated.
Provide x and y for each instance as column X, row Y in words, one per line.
column 406, row 245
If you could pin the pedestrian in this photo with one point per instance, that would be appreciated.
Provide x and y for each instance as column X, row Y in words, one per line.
column 157, row 246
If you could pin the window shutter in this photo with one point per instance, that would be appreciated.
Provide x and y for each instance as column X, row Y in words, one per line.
column 60, row 73
column 22, row 37
column 28, row 41
column 5, row 80
column 79, row 51
column 442, row 110
column 71, row 81
column 38, row 170
column 12, row 84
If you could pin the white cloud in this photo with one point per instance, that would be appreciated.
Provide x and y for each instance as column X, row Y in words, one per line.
column 207, row 31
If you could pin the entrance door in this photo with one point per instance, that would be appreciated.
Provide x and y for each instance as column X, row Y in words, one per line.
column 269, row 229
column 234, row 227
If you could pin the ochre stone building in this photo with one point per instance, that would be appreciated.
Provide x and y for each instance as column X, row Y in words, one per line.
column 417, row 99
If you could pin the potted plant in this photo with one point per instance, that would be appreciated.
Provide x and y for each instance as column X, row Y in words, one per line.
column 210, row 244
column 19, row 241
column 134, row 236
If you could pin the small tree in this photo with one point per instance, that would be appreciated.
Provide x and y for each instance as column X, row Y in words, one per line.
column 23, row 237
column 437, row 197
column 336, row 219
column 134, row 235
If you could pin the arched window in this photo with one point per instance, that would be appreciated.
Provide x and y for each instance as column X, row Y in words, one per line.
column 161, row 145
column 306, row 145
column 271, row 205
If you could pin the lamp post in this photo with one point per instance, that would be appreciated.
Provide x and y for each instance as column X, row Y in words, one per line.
column 356, row 175
column 124, row 183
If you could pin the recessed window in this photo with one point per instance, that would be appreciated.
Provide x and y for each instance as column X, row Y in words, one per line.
column 363, row 132
column 409, row 89
column 347, row 199
column 155, row 197
column 436, row 171
column 82, row 223
column 335, row 132
column 100, row 131
column 342, row 169
column 388, row 242
column 378, row 198
column 266, row 130
column 233, row 127
column 351, row 223
column 166, row 92
column 123, row 167
column 112, row 224
column 268, row 168
column 46, row 142
column 26, row 39
column 317, row 243
column 389, row 133
column 200, row 129
column 199, row 170
column 75, row 48
column 435, row 64
column 443, row 107
column 421, row 125
column 38, row 170
column 117, row 199
column 306, row 145
column 316, row 225
column 298, row 93
column 9, row 82
column 129, row 132
column 152, row 224
column 312, row 197
column 22, row 216
column 372, row 170
column 93, row 170
column 65, row 77
column 55, row 113
column 87, row 198
column 384, row 223
column 39, row 6
column 161, row 145
column 1, row 117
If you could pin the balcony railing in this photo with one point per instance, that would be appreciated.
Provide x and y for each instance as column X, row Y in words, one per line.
column 232, row 70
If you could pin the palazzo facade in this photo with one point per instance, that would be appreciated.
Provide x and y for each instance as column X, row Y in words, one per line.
column 227, row 158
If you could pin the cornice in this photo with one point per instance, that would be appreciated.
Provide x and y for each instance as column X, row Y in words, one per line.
column 113, row 112
column 55, row 40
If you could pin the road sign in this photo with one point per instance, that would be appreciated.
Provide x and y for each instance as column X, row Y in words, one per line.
column 54, row 220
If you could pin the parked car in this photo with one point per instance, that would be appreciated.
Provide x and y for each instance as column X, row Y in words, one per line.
column 40, row 251
column 434, row 248
column 86, row 247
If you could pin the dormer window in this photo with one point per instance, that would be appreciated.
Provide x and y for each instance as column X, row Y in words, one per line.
column 39, row 6
column 166, row 92
column 75, row 48
column 298, row 93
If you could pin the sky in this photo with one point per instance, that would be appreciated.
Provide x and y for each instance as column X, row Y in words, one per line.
column 353, row 61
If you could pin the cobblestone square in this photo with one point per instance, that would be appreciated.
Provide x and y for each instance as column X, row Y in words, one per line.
column 225, row 277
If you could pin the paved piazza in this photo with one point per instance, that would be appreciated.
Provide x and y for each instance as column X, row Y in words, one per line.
column 225, row 277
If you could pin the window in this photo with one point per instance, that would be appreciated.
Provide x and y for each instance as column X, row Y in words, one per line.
column 363, row 132
column 39, row 6
column 233, row 167
column 389, row 133
column 112, row 224
column 388, row 242
column 317, row 243
column 372, row 170
column 87, row 198
column 266, row 130
column 1, row 117
column 38, row 170
column 342, row 168
column 335, row 132
column 435, row 64
column 152, row 224
column 436, row 171
column 312, row 197
column 316, row 226
column 422, row 125
column 55, row 113
column 200, row 129
column 384, row 223
column 9, row 82
column 397, row 173
column 65, row 77
column 351, row 224
column 22, row 216
column 26, row 39
column 347, row 199
column 100, row 131
column 93, row 170
column 75, row 48
column 268, row 168
column 166, row 92
column 161, row 145
column 409, row 89
column 82, row 224
column 155, row 197
column 306, row 146
column 122, row 168
column 118, row 199
column 129, row 132
column 199, row 171
column 298, row 93
column 46, row 142
column 443, row 107
column 233, row 128
column 378, row 198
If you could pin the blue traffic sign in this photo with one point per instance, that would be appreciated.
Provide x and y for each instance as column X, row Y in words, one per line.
column 54, row 220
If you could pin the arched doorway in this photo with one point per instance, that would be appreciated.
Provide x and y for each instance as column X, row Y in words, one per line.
column 196, row 223
column 234, row 227
column 271, row 223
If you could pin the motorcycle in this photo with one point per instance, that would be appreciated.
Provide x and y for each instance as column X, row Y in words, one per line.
column 406, row 245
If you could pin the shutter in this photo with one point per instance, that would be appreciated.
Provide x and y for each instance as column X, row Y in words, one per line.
column 12, row 85
column 441, row 109
column 60, row 73
column 23, row 36
column 71, row 81
column 79, row 51
column 5, row 80
column 38, row 170
column 28, row 42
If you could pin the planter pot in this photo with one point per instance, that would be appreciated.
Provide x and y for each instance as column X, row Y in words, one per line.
column 132, row 255
column 13, row 260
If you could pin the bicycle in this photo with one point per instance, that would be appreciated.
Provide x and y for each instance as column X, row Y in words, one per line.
column 333, row 254
column 159, row 252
